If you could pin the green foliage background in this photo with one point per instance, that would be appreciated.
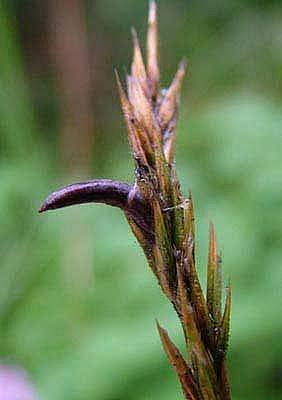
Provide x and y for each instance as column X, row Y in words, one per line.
column 77, row 302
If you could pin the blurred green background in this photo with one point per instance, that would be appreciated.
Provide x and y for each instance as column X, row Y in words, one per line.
column 77, row 301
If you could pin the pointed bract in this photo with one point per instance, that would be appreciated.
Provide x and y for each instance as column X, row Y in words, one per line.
column 223, row 338
column 141, row 105
column 178, row 363
column 164, row 244
column 138, row 70
column 152, row 49
column 129, row 116
column 214, row 279
column 197, row 295
column 169, row 104
column 160, row 269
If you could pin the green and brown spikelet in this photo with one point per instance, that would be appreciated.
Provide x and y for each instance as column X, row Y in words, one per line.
column 162, row 220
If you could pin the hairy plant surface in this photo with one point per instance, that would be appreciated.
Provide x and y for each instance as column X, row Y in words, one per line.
column 162, row 220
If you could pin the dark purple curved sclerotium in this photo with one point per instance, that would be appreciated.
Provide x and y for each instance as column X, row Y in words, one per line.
column 113, row 193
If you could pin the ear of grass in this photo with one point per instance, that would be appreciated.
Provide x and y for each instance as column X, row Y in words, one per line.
column 162, row 220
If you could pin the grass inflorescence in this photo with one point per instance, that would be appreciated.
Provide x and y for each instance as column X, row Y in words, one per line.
column 162, row 220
